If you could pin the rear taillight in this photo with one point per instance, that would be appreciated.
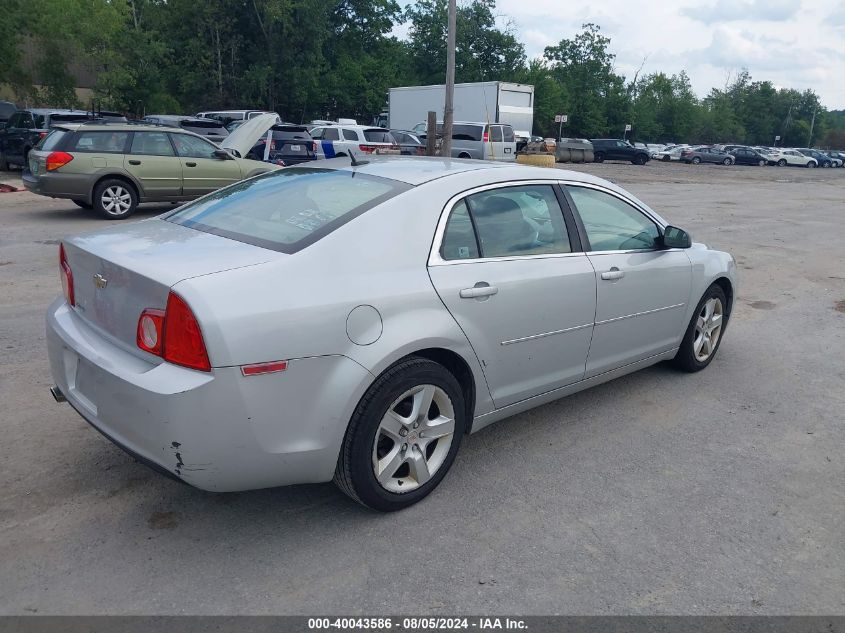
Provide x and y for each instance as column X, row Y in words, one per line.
column 58, row 159
column 174, row 334
column 151, row 331
column 367, row 149
column 41, row 135
column 485, row 137
column 66, row 276
column 313, row 146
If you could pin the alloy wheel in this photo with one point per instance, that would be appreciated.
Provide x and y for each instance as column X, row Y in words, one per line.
column 116, row 200
column 708, row 329
column 413, row 438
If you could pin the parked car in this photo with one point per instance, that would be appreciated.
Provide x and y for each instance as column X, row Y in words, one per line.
column 25, row 129
column 283, row 144
column 749, row 156
column 673, row 153
column 481, row 141
column 409, row 143
column 7, row 109
column 354, row 323
column 114, row 167
column 793, row 157
column 822, row 159
column 617, row 149
column 355, row 140
column 706, row 155
column 212, row 129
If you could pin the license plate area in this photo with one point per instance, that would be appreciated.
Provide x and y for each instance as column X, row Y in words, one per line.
column 85, row 384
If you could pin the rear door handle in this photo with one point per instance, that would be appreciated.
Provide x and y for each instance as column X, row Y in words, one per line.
column 612, row 274
column 191, row 164
column 134, row 162
column 481, row 289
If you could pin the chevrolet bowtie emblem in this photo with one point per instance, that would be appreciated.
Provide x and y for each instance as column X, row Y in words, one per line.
column 100, row 281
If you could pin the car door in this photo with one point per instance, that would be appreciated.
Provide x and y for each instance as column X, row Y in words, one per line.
column 508, row 143
column 16, row 131
column 510, row 270
column 495, row 146
column 152, row 161
column 202, row 171
column 642, row 290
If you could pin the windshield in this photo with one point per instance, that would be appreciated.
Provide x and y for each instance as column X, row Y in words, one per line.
column 288, row 209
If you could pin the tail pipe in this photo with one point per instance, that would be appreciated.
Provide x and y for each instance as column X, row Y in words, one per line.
column 57, row 394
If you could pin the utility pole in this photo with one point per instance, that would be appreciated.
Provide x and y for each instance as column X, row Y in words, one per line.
column 449, row 109
column 812, row 125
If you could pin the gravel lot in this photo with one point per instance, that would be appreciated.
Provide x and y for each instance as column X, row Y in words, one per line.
column 721, row 492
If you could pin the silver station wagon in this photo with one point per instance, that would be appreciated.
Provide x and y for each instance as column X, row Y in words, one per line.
column 352, row 322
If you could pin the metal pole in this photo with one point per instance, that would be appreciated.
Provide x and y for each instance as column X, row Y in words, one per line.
column 559, row 130
column 812, row 125
column 431, row 134
column 449, row 111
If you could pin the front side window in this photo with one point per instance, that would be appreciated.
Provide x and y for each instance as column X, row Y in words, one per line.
column 193, row 147
column 288, row 209
column 151, row 144
column 508, row 222
column 611, row 224
column 100, row 142
column 331, row 134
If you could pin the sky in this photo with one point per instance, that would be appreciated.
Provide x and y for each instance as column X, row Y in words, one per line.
column 792, row 43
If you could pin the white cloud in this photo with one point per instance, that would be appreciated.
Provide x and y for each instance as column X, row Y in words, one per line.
column 743, row 10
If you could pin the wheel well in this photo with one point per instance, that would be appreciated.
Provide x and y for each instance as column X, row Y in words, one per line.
column 725, row 284
column 128, row 181
column 458, row 367
column 464, row 155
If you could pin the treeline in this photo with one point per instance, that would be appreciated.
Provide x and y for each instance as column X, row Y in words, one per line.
column 327, row 58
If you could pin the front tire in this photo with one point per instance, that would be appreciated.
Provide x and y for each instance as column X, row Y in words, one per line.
column 639, row 159
column 599, row 157
column 704, row 332
column 4, row 164
column 666, row 159
column 696, row 160
column 115, row 199
column 726, row 162
column 811, row 165
column 782, row 162
column 403, row 436
column 761, row 163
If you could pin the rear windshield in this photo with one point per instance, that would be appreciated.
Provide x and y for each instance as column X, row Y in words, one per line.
column 52, row 139
column 204, row 128
column 291, row 132
column 288, row 209
column 378, row 136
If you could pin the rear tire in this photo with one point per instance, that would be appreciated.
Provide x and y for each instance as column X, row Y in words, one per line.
column 599, row 157
column 464, row 155
column 811, row 165
column 115, row 199
column 726, row 162
column 704, row 332
column 782, row 162
column 384, row 451
column 761, row 163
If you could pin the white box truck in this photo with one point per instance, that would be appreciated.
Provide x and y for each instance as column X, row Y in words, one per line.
column 487, row 101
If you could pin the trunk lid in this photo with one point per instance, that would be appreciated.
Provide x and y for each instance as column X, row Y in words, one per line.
column 118, row 273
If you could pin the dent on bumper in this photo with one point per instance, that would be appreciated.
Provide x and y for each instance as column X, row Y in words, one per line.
column 217, row 431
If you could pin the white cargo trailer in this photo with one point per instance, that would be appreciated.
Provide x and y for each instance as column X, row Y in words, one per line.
column 488, row 101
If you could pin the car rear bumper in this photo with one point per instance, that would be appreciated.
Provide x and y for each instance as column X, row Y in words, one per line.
column 57, row 185
column 217, row 431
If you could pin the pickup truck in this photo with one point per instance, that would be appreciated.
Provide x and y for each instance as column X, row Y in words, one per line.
column 617, row 149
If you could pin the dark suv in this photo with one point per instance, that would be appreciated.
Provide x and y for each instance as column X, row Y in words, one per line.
column 212, row 129
column 25, row 128
column 290, row 144
column 617, row 149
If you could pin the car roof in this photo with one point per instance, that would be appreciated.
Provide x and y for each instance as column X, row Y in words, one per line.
column 419, row 170
column 122, row 127
column 184, row 118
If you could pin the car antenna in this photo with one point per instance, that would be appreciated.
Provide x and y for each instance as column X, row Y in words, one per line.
column 355, row 162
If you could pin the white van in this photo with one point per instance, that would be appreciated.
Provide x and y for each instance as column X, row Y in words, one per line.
column 483, row 141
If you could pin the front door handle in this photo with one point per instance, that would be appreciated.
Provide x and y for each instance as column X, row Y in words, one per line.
column 134, row 162
column 480, row 290
column 191, row 164
column 613, row 274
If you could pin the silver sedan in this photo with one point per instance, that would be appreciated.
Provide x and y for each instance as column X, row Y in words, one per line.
column 352, row 322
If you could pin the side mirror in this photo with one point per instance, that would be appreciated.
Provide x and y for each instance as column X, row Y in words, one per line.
column 673, row 237
column 222, row 154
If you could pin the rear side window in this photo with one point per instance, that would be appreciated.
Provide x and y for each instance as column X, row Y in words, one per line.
column 464, row 132
column 99, row 142
column 151, row 144
column 508, row 132
column 495, row 133
column 378, row 136
column 289, row 209
column 52, row 140
column 350, row 135
column 506, row 222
